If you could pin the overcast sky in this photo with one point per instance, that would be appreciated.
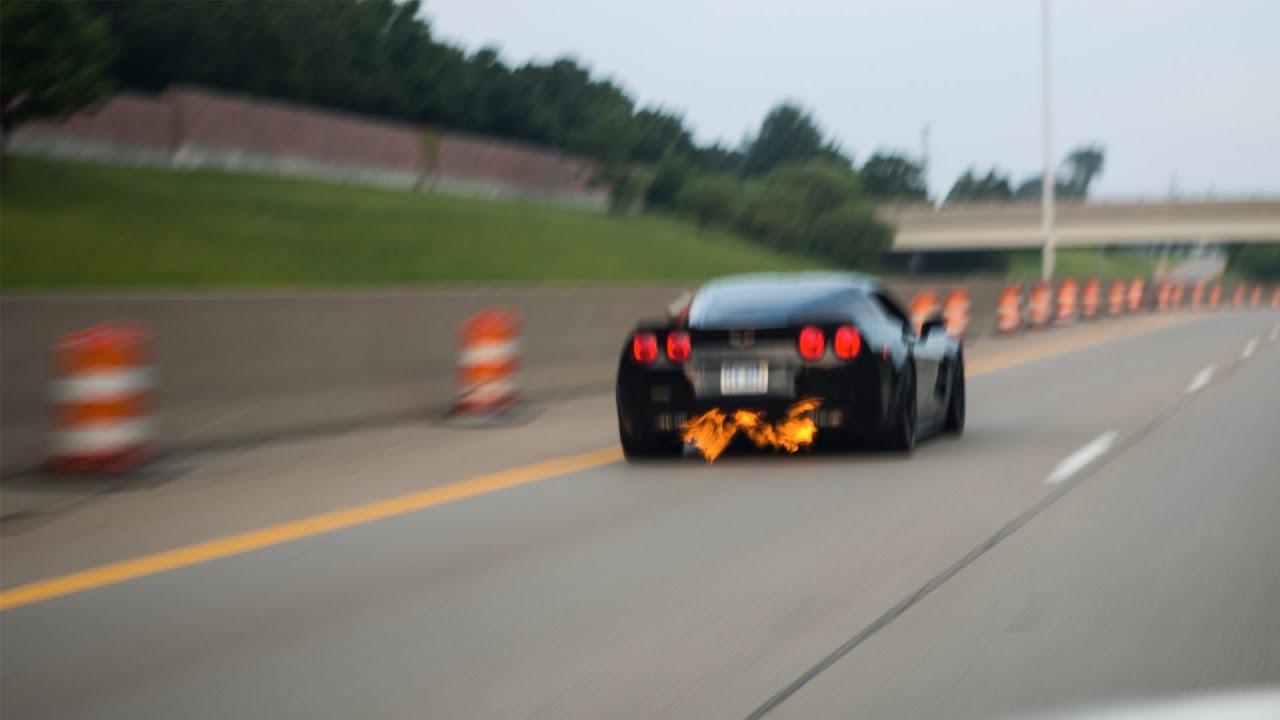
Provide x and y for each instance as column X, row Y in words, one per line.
column 1172, row 88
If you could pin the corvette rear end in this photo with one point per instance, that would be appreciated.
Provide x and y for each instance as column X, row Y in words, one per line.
column 670, row 377
column 777, row 360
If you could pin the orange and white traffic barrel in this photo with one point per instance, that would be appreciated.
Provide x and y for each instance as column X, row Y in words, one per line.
column 955, row 312
column 1009, row 310
column 1237, row 298
column 1175, row 296
column 1041, row 304
column 1115, row 297
column 1215, row 295
column 922, row 307
column 1197, row 295
column 103, row 382
column 1275, row 298
column 1255, row 298
column 488, row 360
column 1137, row 288
column 1068, row 296
column 1163, row 293
column 1090, row 299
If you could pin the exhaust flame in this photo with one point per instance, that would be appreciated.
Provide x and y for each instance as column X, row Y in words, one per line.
column 712, row 431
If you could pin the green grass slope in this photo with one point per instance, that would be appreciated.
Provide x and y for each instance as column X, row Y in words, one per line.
column 1081, row 263
column 82, row 225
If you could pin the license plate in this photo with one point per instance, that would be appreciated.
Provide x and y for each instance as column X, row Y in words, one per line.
column 744, row 378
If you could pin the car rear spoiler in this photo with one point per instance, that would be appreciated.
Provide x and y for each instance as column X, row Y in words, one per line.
column 678, row 310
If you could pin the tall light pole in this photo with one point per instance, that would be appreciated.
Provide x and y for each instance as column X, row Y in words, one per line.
column 1047, row 179
column 924, row 150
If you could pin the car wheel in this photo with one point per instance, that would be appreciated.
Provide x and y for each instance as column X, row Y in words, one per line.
column 902, row 430
column 955, row 406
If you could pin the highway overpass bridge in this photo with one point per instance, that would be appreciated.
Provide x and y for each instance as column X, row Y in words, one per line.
column 1007, row 226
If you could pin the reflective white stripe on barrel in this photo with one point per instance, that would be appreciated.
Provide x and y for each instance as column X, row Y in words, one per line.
column 483, row 392
column 488, row 352
column 103, row 437
column 102, row 385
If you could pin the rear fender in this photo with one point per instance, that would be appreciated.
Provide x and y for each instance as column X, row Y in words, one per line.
column 946, row 371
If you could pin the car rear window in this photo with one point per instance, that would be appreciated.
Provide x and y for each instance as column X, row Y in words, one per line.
column 774, row 303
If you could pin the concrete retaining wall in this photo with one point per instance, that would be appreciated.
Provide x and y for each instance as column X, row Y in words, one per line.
column 238, row 368
column 188, row 128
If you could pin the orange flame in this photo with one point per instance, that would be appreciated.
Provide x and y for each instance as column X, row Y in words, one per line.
column 712, row 431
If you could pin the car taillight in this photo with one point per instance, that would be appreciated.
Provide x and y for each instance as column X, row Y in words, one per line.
column 678, row 346
column 812, row 343
column 644, row 348
column 848, row 343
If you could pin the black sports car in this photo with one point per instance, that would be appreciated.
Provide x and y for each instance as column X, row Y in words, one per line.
column 833, row 347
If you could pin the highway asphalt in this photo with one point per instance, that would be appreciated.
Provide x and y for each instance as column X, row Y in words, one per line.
column 1108, row 528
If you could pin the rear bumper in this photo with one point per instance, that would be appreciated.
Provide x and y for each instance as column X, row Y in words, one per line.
column 670, row 419
column 662, row 402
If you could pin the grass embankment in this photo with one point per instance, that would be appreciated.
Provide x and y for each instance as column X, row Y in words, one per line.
column 1081, row 263
column 83, row 225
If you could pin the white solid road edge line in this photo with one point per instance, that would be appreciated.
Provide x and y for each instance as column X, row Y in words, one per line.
column 1200, row 379
column 1249, row 348
column 1081, row 458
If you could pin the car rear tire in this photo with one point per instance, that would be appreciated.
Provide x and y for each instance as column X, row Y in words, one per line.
column 956, row 404
column 902, row 432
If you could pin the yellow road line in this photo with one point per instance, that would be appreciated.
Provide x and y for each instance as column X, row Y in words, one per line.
column 306, row 527
column 188, row 555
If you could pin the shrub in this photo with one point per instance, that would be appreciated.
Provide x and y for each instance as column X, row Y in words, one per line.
column 710, row 199
column 850, row 235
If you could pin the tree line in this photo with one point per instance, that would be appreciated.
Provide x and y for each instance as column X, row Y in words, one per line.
column 1082, row 166
column 788, row 184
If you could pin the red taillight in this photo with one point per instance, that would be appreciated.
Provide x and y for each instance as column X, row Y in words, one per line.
column 848, row 343
column 812, row 343
column 644, row 348
column 678, row 346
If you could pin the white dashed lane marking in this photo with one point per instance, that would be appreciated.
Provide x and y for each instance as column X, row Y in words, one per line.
column 1080, row 459
column 1249, row 348
column 1200, row 379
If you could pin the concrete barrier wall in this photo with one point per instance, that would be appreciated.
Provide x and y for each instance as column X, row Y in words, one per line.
column 238, row 368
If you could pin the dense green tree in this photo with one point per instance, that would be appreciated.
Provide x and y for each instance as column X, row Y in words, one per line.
column 54, row 60
column 849, row 235
column 775, row 214
column 886, row 176
column 970, row 187
column 627, row 187
column 669, row 177
column 815, row 207
column 1030, row 189
column 718, row 159
column 823, row 184
column 1257, row 262
column 1080, row 168
column 788, row 134
column 710, row 199
column 1083, row 165
column 658, row 134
